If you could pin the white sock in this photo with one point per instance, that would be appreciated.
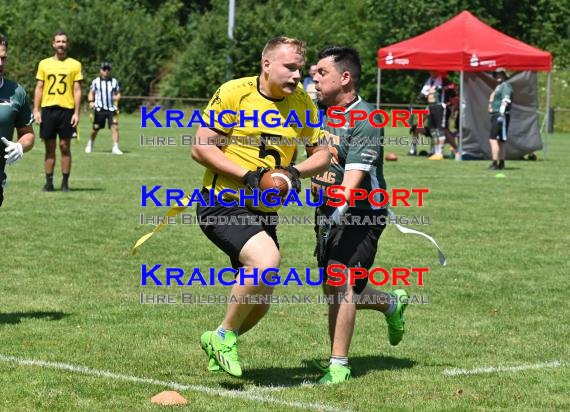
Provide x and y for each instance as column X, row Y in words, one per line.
column 221, row 331
column 391, row 308
column 339, row 360
column 439, row 147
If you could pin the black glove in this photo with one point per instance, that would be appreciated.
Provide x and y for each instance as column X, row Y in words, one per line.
column 323, row 234
column 296, row 183
column 252, row 178
column 324, row 229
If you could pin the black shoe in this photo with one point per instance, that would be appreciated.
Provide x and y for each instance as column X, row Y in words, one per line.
column 47, row 188
column 494, row 166
column 64, row 188
column 501, row 165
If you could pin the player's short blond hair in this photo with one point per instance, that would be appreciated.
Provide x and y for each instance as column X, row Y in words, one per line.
column 279, row 41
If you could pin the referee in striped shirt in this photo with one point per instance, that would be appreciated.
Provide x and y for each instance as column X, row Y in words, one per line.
column 104, row 96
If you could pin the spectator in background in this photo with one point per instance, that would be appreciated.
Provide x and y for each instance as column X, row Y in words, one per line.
column 500, row 109
column 104, row 96
column 438, row 91
column 309, row 82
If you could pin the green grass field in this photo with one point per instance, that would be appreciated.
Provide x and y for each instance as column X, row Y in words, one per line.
column 70, row 290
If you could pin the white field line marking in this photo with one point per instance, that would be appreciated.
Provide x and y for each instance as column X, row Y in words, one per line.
column 493, row 369
column 172, row 385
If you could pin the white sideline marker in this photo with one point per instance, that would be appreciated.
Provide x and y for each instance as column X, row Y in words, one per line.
column 172, row 385
column 496, row 369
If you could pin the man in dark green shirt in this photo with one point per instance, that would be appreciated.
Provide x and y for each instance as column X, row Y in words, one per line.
column 15, row 113
column 500, row 109
column 357, row 163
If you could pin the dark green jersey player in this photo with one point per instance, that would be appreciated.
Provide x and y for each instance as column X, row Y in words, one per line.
column 15, row 113
column 357, row 164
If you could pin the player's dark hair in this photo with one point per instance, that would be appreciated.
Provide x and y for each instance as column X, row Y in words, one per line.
column 60, row 33
column 346, row 59
column 3, row 40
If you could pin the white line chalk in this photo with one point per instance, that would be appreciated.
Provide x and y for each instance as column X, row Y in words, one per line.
column 496, row 369
column 248, row 395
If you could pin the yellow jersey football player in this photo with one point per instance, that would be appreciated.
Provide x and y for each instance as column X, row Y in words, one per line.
column 240, row 166
column 58, row 94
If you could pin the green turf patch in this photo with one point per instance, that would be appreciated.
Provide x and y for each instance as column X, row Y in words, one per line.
column 70, row 291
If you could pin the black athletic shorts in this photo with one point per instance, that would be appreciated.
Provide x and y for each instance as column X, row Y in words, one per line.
column 231, row 238
column 437, row 116
column 101, row 116
column 497, row 130
column 352, row 245
column 57, row 121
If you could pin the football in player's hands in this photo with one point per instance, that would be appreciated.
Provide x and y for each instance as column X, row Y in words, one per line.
column 279, row 179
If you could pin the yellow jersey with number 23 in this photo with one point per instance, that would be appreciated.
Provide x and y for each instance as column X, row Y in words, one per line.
column 58, row 77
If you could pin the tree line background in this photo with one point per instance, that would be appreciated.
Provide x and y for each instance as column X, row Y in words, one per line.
column 179, row 48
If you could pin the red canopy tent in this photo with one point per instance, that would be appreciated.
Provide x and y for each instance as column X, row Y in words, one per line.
column 463, row 43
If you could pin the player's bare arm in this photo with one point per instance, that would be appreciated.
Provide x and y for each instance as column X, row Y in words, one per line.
column 212, row 157
column 38, row 100
column 317, row 162
column 116, row 99
column 352, row 180
column 26, row 137
column 77, row 101
column 91, row 98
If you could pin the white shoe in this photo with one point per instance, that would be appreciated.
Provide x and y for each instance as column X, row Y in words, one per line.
column 116, row 150
column 88, row 148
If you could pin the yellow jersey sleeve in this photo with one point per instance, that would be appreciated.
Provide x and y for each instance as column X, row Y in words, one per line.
column 223, row 102
column 40, row 75
column 78, row 72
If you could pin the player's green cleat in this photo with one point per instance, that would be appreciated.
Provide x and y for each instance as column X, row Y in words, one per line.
column 225, row 351
column 336, row 374
column 323, row 366
column 396, row 321
column 207, row 347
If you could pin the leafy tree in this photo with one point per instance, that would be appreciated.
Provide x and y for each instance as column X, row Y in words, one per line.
column 182, row 45
column 138, row 43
